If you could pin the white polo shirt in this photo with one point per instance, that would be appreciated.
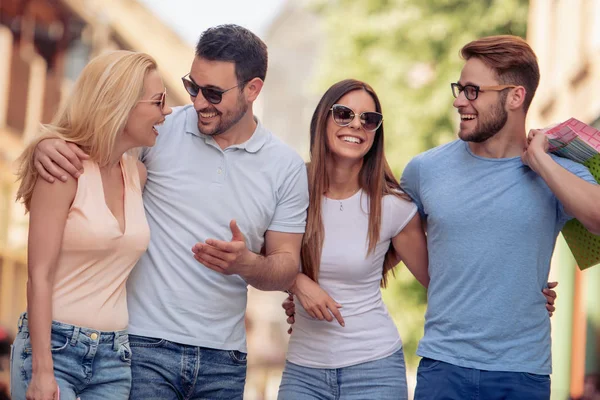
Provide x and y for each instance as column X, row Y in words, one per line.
column 194, row 190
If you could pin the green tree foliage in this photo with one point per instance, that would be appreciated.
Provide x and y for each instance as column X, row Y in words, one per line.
column 408, row 50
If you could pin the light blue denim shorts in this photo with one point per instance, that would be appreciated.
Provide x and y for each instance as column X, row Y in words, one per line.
column 88, row 363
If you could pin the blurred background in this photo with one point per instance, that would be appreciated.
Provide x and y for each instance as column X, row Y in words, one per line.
column 406, row 49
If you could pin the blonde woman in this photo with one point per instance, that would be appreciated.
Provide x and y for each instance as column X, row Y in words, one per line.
column 86, row 235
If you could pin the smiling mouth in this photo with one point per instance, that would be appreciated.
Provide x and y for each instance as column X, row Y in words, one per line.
column 208, row 114
column 467, row 117
column 351, row 139
column 155, row 127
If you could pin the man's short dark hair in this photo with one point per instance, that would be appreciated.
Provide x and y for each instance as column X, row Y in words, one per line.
column 233, row 43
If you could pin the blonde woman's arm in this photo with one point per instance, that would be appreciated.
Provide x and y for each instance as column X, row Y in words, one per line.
column 48, row 214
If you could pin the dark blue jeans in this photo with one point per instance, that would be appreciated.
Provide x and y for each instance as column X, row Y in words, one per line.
column 163, row 370
column 437, row 380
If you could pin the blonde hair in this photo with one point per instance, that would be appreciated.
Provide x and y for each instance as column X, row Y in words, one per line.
column 95, row 113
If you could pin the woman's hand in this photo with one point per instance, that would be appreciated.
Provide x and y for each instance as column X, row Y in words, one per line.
column 317, row 303
column 290, row 311
column 550, row 295
column 43, row 386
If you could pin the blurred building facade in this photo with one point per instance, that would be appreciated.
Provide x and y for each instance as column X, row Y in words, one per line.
column 565, row 35
column 44, row 45
column 296, row 41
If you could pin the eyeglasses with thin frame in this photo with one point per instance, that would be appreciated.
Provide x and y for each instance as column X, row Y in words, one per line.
column 343, row 116
column 212, row 95
column 160, row 102
column 472, row 91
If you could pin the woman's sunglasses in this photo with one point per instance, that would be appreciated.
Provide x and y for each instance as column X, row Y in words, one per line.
column 343, row 116
column 213, row 96
column 160, row 102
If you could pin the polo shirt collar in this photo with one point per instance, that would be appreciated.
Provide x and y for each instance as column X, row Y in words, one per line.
column 252, row 145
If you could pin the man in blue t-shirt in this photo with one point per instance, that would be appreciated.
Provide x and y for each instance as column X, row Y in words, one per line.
column 494, row 202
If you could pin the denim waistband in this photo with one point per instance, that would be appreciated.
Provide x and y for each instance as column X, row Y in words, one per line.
column 77, row 333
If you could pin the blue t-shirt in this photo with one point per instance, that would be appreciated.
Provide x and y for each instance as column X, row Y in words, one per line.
column 491, row 230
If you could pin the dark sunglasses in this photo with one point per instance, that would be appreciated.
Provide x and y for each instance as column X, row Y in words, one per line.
column 343, row 116
column 472, row 91
column 213, row 96
column 160, row 102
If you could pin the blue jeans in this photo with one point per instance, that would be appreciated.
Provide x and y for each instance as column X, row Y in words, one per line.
column 164, row 370
column 380, row 379
column 437, row 380
column 90, row 364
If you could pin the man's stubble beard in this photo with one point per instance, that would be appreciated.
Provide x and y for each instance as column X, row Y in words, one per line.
column 228, row 122
column 490, row 127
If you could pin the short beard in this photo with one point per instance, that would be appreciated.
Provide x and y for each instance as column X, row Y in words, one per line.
column 489, row 128
column 227, row 122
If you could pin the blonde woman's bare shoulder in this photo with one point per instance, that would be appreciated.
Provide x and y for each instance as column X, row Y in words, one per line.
column 55, row 195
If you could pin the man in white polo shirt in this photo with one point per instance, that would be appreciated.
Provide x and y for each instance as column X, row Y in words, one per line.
column 220, row 187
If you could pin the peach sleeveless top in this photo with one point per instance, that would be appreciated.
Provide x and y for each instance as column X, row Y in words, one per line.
column 96, row 257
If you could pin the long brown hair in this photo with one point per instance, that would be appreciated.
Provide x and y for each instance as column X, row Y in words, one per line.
column 375, row 179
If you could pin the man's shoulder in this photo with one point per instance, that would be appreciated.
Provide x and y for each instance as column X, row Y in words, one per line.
column 179, row 114
column 172, row 130
column 568, row 164
column 439, row 152
column 443, row 150
column 575, row 168
column 179, row 111
column 277, row 149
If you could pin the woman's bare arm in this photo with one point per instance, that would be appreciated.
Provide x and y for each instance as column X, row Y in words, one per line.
column 411, row 246
column 49, row 209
